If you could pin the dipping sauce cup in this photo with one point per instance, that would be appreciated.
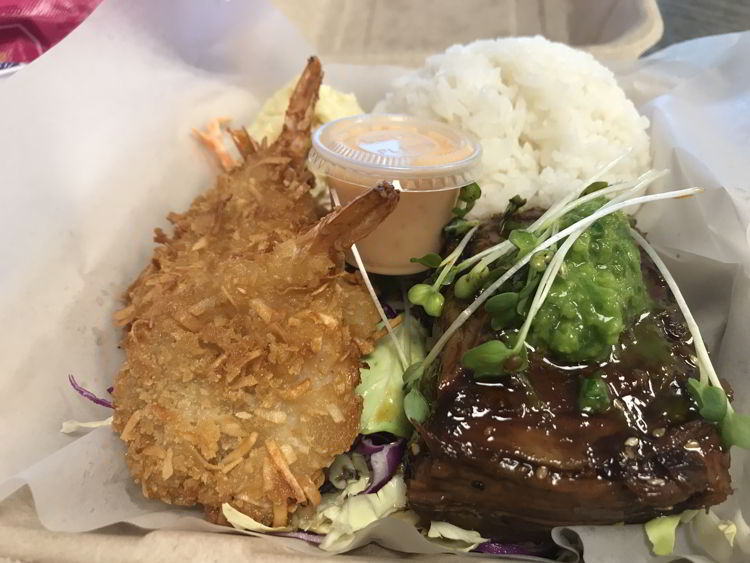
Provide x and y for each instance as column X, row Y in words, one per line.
column 427, row 161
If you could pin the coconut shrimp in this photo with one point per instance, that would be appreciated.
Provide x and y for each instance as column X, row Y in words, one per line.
column 244, row 337
column 262, row 198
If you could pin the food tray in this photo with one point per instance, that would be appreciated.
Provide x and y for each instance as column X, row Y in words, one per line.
column 404, row 33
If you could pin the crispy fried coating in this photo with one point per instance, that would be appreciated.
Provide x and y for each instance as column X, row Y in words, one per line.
column 244, row 336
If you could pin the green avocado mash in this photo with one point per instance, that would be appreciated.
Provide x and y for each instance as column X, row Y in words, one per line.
column 598, row 291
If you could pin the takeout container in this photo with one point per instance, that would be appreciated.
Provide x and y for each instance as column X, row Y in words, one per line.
column 351, row 31
column 427, row 161
column 355, row 32
column 115, row 104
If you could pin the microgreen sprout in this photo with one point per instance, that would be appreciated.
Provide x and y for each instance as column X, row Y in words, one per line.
column 373, row 295
column 549, row 218
column 712, row 401
column 555, row 209
column 624, row 188
column 502, row 309
column 468, row 284
column 431, row 260
column 458, row 226
column 707, row 390
column 428, row 295
column 468, row 196
column 494, row 357
column 706, row 368
column 581, row 225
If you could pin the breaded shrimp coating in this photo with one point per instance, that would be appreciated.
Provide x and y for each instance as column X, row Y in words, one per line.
column 244, row 336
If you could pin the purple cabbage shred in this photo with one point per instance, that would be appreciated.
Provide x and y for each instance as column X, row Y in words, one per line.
column 493, row 547
column 389, row 311
column 85, row 393
column 383, row 452
column 309, row 537
column 496, row 548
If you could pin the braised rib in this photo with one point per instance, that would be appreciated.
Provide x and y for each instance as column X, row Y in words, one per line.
column 515, row 456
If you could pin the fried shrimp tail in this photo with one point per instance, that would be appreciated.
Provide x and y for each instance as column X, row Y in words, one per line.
column 345, row 226
column 295, row 140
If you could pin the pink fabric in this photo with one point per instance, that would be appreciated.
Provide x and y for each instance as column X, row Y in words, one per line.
column 30, row 27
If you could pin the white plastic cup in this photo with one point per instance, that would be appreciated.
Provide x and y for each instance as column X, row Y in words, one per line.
column 427, row 161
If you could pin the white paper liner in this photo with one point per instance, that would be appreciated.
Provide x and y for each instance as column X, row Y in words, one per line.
column 98, row 149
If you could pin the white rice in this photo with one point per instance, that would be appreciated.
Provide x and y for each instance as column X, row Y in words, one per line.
column 547, row 115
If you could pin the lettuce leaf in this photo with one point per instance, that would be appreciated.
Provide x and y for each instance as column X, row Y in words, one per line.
column 382, row 382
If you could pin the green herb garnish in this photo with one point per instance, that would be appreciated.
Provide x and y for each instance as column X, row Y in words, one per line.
column 595, row 187
column 535, row 246
column 593, row 395
column 458, row 226
column 707, row 391
column 494, row 358
column 431, row 260
column 735, row 429
column 467, row 197
column 555, row 264
column 428, row 296
column 502, row 309
column 712, row 401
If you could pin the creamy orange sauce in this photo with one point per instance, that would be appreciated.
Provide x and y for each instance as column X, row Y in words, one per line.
column 412, row 230
column 422, row 159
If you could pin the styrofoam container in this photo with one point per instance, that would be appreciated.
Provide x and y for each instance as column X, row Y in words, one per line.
column 404, row 33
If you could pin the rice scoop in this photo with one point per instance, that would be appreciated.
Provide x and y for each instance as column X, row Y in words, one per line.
column 542, row 131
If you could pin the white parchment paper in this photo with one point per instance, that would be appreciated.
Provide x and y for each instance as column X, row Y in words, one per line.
column 96, row 149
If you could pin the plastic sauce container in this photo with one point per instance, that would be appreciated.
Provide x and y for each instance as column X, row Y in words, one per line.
column 428, row 161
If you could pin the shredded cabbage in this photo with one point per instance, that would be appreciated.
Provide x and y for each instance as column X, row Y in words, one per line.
column 453, row 537
column 70, row 426
column 742, row 538
column 243, row 522
column 353, row 468
column 382, row 382
column 339, row 515
column 357, row 486
column 661, row 533
column 712, row 534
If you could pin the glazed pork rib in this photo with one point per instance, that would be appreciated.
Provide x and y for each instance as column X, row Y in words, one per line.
column 514, row 457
